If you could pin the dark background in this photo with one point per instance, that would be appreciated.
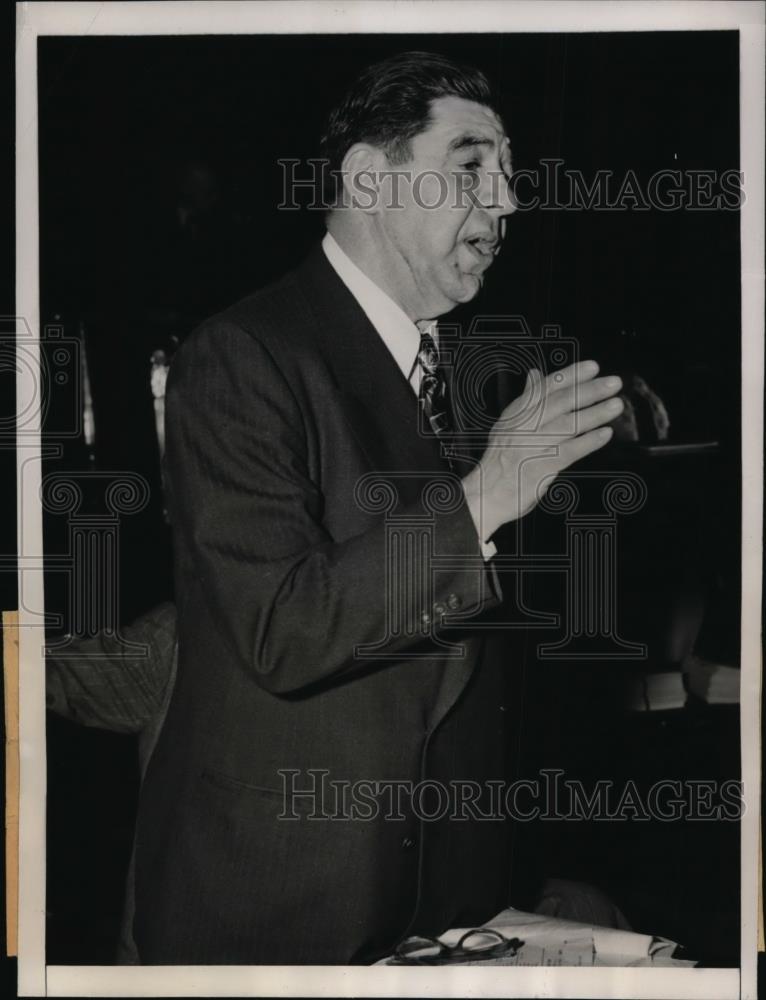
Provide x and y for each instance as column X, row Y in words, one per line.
column 121, row 122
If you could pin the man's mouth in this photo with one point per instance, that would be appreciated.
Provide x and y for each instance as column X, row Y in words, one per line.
column 483, row 248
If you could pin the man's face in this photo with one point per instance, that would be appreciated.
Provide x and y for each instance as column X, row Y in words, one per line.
column 454, row 199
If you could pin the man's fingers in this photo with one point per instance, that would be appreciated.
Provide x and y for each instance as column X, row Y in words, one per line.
column 581, row 421
column 537, row 407
column 576, row 448
column 575, row 398
column 565, row 378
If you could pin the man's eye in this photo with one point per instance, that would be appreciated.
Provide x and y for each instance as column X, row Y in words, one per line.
column 471, row 165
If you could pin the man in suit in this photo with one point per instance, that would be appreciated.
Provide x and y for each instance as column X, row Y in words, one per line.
column 312, row 493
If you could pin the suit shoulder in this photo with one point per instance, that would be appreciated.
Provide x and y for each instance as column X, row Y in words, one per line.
column 277, row 317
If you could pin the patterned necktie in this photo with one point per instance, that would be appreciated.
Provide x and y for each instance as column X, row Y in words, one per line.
column 433, row 387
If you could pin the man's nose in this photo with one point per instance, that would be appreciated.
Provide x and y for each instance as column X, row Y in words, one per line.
column 495, row 195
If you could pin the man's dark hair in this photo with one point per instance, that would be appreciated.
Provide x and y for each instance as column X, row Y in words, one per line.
column 390, row 103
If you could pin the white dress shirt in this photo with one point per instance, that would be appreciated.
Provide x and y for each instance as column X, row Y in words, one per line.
column 395, row 328
column 397, row 331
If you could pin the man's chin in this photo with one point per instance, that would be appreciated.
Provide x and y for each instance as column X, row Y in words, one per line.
column 459, row 292
column 470, row 286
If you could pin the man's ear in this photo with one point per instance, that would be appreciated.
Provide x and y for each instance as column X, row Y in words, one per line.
column 361, row 174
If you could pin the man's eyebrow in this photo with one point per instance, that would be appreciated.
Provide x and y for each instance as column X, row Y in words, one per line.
column 468, row 139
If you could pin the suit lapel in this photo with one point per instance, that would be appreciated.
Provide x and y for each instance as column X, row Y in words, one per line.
column 383, row 414
column 381, row 407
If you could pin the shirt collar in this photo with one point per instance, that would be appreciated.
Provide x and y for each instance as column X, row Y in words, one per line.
column 395, row 328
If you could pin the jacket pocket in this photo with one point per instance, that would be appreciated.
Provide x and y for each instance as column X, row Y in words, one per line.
column 284, row 805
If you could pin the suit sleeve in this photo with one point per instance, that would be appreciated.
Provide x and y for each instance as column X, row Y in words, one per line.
column 100, row 682
column 294, row 603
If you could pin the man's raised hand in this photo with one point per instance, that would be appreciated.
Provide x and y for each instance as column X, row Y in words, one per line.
column 558, row 419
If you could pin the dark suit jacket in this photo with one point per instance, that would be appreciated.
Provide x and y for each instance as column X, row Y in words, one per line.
column 276, row 409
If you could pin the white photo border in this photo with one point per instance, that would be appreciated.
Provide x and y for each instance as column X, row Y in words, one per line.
column 382, row 16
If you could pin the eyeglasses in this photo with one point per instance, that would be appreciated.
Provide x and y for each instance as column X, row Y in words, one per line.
column 477, row 945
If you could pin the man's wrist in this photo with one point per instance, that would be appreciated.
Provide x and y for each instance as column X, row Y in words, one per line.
column 473, row 498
